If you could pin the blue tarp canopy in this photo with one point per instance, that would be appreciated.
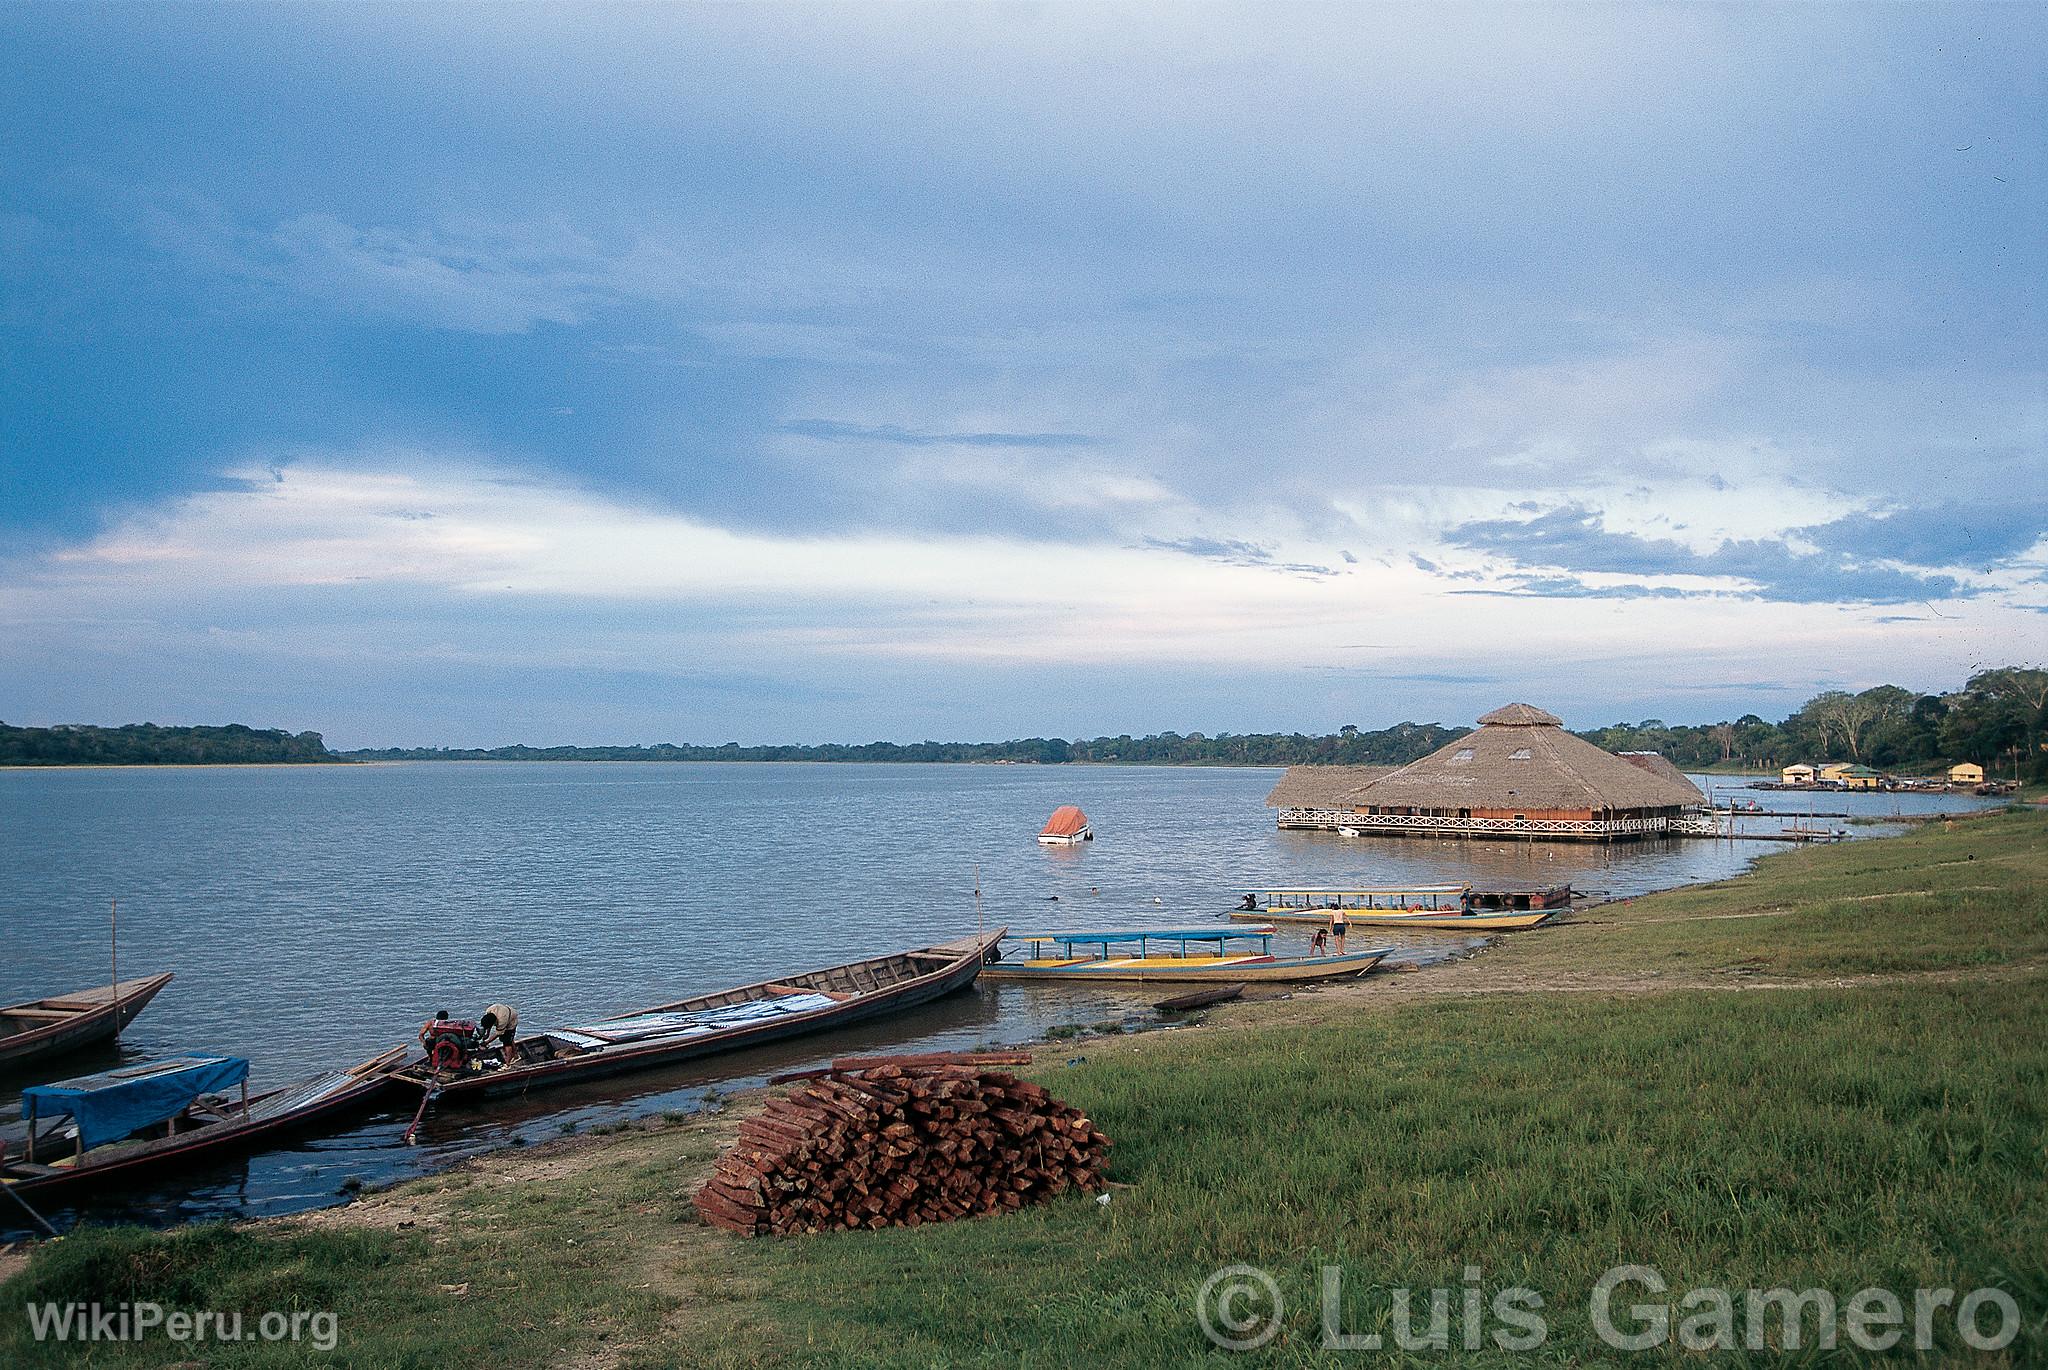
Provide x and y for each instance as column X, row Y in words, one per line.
column 1209, row 934
column 114, row 1103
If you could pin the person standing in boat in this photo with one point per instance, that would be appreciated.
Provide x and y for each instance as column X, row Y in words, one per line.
column 501, row 1020
column 1338, row 927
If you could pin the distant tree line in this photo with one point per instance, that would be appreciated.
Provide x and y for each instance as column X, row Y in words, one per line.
column 1998, row 719
column 1397, row 745
column 146, row 744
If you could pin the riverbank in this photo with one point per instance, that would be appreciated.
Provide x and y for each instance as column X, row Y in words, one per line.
column 1831, row 1073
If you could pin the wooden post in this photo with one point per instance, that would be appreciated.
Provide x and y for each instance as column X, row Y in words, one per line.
column 114, row 951
column 30, row 1152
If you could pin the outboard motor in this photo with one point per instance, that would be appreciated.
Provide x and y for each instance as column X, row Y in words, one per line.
column 449, row 1043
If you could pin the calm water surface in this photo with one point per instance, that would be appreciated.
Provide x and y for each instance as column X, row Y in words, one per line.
column 315, row 915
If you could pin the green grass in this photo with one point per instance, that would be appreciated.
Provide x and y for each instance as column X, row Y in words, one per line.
column 1891, row 1132
column 1934, row 899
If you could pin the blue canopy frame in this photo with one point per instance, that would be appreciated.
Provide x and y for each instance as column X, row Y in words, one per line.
column 1143, row 936
column 114, row 1103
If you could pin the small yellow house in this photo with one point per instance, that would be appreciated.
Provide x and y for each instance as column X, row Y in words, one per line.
column 1801, row 774
column 1966, row 773
column 1834, row 770
column 1860, row 778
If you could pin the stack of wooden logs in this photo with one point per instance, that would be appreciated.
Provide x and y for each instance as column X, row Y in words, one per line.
column 901, row 1141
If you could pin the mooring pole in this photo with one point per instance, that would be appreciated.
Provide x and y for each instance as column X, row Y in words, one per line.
column 114, row 953
column 41, row 1221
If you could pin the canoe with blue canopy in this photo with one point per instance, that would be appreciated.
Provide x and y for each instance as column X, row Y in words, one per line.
column 115, row 1103
column 143, row 1118
column 1218, row 964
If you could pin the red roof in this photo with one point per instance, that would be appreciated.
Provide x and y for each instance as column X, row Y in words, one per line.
column 1066, row 820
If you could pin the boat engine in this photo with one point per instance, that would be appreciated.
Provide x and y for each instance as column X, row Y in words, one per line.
column 449, row 1043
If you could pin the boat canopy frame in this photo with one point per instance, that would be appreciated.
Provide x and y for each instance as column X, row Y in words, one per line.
column 1385, row 897
column 1221, row 937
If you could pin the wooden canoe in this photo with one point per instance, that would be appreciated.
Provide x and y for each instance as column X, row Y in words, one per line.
column 1446, row 921
column 208, row 1129
column 768, row 1011
column 65, row 1022
column 1191, row 970
column 1201, row 998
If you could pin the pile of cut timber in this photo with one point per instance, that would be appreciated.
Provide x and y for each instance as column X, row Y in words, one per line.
column 901, row 1142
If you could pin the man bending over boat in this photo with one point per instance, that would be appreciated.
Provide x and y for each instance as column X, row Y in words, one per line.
column 501, row 1020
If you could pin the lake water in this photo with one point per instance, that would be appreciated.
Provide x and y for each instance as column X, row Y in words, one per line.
column 315, row 915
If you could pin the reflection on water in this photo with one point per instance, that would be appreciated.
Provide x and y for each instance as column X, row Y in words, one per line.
column 316, row 915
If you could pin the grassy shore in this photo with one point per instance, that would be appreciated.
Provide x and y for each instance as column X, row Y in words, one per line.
column 1831, row 1073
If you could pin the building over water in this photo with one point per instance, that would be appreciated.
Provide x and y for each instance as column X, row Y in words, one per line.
column 1521, row 774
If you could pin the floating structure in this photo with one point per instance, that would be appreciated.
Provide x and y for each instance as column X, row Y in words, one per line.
column 143, row 1119
column 1067, row 827
column 1519, row 775
column 1093, row 956
column 65, row 1022
column 1966, row 773
column 701, row 1026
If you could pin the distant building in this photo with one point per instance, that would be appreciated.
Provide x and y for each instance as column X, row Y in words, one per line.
column 1801, row 774
column 1520, row 774
column 1832, row 771
column 1966, row 773
column 1859, row 777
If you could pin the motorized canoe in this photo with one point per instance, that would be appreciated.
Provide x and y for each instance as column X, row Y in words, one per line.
column 65, row 1022
column 132, row 1122
column 1453, row 908
column 1474, row 921
column 1076, row 962
column 768, row 1011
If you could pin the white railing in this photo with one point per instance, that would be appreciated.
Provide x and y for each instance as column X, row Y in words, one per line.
column 1442, row 823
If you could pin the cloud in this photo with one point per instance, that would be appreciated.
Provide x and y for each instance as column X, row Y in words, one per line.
column 830, row 430
column 494, row 281
column 1978, row 536
column 1575, row 538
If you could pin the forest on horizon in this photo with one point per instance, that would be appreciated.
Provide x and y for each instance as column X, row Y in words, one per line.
column 1998, row 719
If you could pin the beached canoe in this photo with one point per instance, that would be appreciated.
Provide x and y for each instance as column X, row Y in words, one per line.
column 127, row 1124
column 1201, row 998
column 1102, row 956
column 769, row 1011
column 49, row 1027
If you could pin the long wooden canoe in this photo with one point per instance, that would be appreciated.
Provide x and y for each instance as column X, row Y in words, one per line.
column 1424, row 918
column 729, row 1020
column 1189, row 970
column 202, row 1130
column 65, row 1022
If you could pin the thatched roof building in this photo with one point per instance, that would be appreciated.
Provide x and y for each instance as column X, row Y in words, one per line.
column 1322, row 787
column 1656, row 764
column 1520, row 773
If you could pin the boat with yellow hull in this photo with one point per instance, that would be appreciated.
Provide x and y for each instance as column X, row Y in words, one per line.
column 1426, row 919
column 1259, row 967
column 1449, row 908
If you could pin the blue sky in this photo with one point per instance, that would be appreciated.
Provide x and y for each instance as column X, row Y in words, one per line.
column 572, row 374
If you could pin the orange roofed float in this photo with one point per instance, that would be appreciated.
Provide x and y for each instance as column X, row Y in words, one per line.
column 1067, row 826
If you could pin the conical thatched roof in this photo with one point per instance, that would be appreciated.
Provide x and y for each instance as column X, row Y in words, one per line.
column 1657, row 764
column 1522, row 758
column 1322, row 787
column 1520, row 716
